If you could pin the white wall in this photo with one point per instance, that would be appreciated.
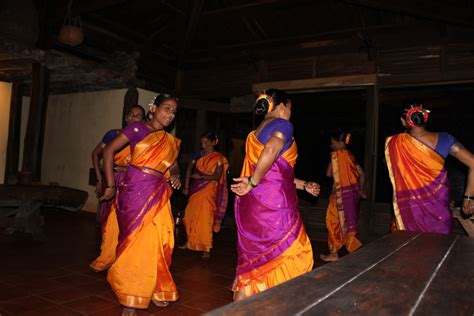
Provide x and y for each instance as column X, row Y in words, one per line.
column 75, row 124
column 5, row 97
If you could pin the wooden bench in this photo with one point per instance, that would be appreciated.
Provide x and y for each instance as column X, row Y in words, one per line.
column 402, row 273
column 20, row 206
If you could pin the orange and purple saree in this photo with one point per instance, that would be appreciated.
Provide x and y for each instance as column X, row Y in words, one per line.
column 343, row 209
column 272, row 243
column 207, row 203
column 108, row 217
column 420, row 185
column 140, row 272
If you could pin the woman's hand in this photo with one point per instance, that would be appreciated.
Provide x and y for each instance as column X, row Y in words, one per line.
column 108, row 194
column 468, row 206
column 175, row 182
column 98, row 189
column 196, row 176
column 312, row 188
column 241, row 187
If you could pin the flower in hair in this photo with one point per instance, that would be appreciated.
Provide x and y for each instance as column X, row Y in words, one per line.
column 414, row 109
column 264, row 96
column 347, row 140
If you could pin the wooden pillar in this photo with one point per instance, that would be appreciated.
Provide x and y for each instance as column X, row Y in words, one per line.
column 370, row 161
column 200, row 126
column 34, row 137
column 14, row 131
column 130, row 99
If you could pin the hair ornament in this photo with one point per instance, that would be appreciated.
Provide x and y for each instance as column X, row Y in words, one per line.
column 264, row 96
column 414, row 109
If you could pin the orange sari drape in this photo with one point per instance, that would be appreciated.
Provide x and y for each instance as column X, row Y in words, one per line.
column 206, row 205
column 109, row 224
column 140, row 272
column 343, row 208
column 420, row 185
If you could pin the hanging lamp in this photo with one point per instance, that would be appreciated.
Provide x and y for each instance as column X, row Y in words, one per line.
column 71, row 31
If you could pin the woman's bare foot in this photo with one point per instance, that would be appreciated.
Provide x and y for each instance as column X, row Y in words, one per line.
column 206, row 255
column 129, row 312
column 330, row 257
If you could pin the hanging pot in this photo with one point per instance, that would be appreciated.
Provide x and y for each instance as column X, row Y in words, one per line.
column 71, row 35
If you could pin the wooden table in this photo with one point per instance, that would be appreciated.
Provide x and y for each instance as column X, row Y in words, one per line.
column 400, row 274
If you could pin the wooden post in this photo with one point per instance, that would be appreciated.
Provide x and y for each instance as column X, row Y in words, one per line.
column 14, row 131
column 370, row 161
column 35, row 128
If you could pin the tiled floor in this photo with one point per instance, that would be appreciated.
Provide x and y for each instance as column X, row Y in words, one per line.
column 53, row 278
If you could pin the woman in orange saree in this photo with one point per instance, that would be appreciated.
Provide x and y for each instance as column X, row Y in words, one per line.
column 272, row 243
column 343, row 209
column 140, row 273
column 208, row 196
column 107, row 216
column 415, row 161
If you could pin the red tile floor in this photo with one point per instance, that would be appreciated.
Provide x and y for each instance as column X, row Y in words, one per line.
column 53, row 278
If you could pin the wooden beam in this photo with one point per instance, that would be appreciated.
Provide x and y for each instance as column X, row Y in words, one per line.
column 315, row 83
column 251, row 5
column 423, row 10
column 213, row 106
column 425, row 79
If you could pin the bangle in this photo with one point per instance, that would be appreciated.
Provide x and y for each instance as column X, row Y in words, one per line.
column 110, row 186
column 99, row 181
column 249, row 182
column 304, row 185
column 468, row 197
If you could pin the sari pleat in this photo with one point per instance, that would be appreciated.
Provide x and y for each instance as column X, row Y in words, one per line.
column 140, row 272
column 272, row 243
column 420, row 185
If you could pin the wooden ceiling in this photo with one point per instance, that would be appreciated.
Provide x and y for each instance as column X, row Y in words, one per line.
column 145, row 42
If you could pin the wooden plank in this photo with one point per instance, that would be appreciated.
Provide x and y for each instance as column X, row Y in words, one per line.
column 204, row 105
column 394, row 285
column 314, row 83
column 425, row 79
column 451, row 291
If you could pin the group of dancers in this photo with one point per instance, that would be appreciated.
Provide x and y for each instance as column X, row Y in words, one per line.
column 140, row 172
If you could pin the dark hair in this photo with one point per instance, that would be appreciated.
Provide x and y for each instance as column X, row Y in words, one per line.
column 162, row 97
column 137, row 106
column 340, row 136
column 209, row 135
column 277, row 96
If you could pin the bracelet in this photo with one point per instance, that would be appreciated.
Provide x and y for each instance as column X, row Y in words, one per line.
column 249, row 182
column 99, row 181
column 110, row 186
column 304, row 185
column 468, row 197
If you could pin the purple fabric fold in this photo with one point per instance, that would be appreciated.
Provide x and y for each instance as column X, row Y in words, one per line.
column 221, row 204
column 138, row 193
column 427, row 209
column 350, row 204
column 267, row 218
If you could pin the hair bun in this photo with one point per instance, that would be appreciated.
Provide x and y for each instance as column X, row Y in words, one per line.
column 261, row 107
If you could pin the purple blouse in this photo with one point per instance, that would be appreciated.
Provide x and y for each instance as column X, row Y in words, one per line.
column 110, row 135
column 135, row 132
column 277, row 125
column 445, row 143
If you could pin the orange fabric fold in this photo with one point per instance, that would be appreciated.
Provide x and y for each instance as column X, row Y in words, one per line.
column 253, row 149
